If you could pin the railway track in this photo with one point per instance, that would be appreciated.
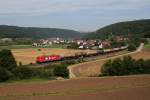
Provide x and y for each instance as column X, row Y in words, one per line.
column 139, row 49
column 85, row 59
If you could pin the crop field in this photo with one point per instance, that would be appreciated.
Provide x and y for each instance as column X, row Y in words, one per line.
column 30, row 46
column 107, row 88
column 147, row 46
column 27, row 56
column 16, row 47
column 93, row 68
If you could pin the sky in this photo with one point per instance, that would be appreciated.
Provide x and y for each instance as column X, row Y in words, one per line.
column 80, row 15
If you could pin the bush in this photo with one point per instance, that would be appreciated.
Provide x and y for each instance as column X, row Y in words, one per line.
column 136, row 40
column 131, row 47
column 117, row 68
column 7, row 60
column 106, row 68
column 70, row 62
column 73, row 46
column 42, row 73
column 4, row 74
column 27, row 73
column 126, row 66
column 147, row 66
column 61, row 71
column 22, row 73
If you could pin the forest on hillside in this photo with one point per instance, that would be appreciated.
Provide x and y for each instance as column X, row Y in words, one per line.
column 36, row 33
column 134, row 28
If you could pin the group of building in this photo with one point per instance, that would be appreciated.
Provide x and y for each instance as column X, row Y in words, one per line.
column 82, row 44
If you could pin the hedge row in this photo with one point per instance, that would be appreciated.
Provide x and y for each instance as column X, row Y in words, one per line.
column 125, row 66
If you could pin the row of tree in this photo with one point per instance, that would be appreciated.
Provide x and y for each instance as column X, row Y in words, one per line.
column 125, row 66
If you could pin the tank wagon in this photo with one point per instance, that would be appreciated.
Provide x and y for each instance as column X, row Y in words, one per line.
column 53, row 58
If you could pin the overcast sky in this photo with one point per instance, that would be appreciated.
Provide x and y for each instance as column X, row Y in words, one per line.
column 81, row 15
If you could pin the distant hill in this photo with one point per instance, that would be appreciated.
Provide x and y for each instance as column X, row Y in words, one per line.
column 37, row 33
column 138, row 27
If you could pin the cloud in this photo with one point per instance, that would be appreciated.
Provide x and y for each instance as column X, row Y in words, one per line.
column 72, row 14
column 41, row 7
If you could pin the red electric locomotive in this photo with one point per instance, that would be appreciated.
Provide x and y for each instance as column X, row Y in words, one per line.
column 43, row 59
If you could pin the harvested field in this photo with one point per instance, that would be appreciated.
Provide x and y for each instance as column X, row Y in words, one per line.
column 27, row 56
column 93, row 68
column 145, row 54
column 106, row 88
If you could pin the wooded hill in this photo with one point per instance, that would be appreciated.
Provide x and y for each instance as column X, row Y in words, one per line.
column 37, row 33
column 138, row 27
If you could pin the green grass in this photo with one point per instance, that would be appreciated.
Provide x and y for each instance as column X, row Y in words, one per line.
column 30, row 46
column 26, row 81
column 16, row 47
column 147, row 45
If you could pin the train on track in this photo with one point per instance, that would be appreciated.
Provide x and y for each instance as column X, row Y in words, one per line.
column 54, row 58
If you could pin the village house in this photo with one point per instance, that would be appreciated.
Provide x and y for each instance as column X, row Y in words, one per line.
column 6, row 40
column 121, row 38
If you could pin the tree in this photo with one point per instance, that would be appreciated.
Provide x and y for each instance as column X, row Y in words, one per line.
column 23, row 72
column 114, row 43
column 131, row 47
column 61, row 71
column 7, row 60
column 126, row 66
column 106, row 68
column 139, row 64
column 73, row 46
column 117, row 67
column 147, row 66
column 4, row 74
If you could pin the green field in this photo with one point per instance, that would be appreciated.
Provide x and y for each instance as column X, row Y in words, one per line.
column 32, row 80
column 147, row 45
column 30, row 46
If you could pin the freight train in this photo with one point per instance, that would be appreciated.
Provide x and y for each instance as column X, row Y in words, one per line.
column 53, row 58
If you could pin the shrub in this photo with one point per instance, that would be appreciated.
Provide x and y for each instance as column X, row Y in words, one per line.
column 4, row 74
column 70, row 62
column 126, row 66
column 131, row 47
column 61, row 71
column 139, row 66
column 41, row 73
column 106, row 68
column 117, row 68
column 73, row 46
column 7, row 60
column 136, row 40
column 27, row 73
column 22, row 73
column 147, row 66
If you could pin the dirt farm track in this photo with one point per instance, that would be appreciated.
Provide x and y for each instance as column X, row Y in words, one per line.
column 108, row 88
column 93, row 68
